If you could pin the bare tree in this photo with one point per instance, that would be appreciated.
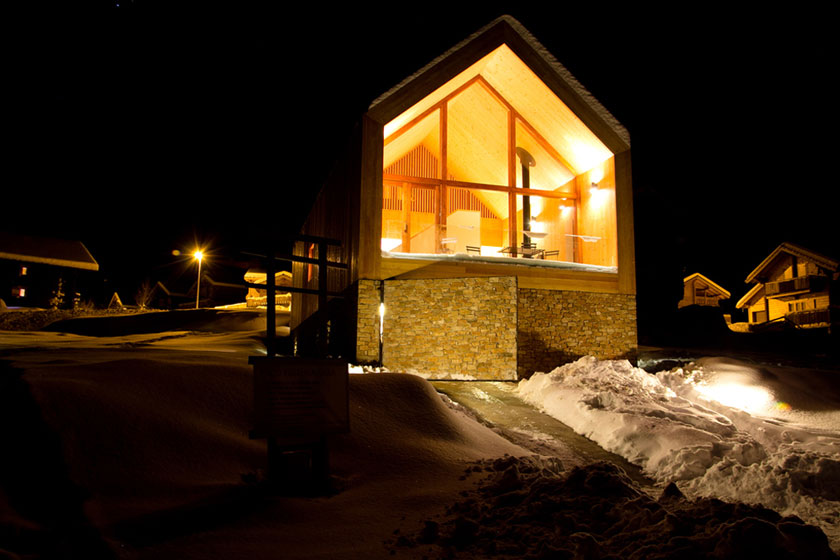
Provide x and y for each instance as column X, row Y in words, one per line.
column 143, row 297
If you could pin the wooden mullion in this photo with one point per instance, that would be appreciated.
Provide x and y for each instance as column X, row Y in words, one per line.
column 511, row 165
column 518, row 116
column 515, row 190
column 545, row 145
column 417, row 181
column 439, row 105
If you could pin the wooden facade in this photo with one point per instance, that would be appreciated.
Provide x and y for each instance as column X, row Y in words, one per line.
column 434, row 182
column 31, row 269
column 794, row 286
column 699, row 290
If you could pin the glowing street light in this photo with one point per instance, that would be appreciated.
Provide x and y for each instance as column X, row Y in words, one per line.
column 198, row 256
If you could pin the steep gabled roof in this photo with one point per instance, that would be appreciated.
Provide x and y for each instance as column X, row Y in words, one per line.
column 504, row 31
column 45, row 250
column 708, row 282
column 755, row 293
column 800, row 252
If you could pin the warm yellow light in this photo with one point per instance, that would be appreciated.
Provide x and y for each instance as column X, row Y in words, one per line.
column 198, row 256
column 750, row 398
column 597, row 198
column 596, row 174
column 389, row 243
column 381, row 321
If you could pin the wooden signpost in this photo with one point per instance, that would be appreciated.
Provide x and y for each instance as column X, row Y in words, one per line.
column 299, row 402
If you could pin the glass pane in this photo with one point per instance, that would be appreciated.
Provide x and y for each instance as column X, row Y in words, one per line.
column 477, row 139
column 408, row 219
column 545, row 229
column 548, row 173
column 415, row 151
column 476, row 221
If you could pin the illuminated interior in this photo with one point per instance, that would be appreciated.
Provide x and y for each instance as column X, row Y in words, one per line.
column 493, row 164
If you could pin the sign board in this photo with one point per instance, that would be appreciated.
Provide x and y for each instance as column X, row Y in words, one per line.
column 300, row 399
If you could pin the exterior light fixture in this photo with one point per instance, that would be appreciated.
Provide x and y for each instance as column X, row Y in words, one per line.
column 198, row 256
column 381, row 318
column 593, row 188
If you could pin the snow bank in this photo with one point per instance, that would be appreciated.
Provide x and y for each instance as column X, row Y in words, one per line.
column 529, row 508
column 137, row 447
column 674, row 425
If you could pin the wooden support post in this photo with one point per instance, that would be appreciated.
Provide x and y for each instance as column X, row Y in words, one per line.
column 322, row 297
column 271, row 309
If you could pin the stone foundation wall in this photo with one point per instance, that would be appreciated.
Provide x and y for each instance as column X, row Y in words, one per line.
column 367, row 322
column 487, row 328
column 556, row 327
column 448, row 328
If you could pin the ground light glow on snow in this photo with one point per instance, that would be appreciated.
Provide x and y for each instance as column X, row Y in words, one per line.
column 749, row 398
column 718, row 428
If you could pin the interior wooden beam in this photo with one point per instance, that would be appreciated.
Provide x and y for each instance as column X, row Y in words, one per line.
column 425, row 181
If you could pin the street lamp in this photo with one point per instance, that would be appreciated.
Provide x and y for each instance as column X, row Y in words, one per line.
column 198, row 256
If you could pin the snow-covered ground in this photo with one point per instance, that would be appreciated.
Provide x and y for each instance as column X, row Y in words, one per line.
column 718, row 427
column 136, row 446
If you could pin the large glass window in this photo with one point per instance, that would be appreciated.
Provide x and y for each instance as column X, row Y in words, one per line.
column 467, row 173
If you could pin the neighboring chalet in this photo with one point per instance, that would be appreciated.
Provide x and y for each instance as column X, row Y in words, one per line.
column 31, row 269
column 794, row 286
column 484, row 210
column 259, row 298
column 214, row 293
column 699, row 290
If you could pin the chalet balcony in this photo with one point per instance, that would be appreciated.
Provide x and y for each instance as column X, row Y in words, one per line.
column 809, row 318
column 799, row 285
column 713, row 301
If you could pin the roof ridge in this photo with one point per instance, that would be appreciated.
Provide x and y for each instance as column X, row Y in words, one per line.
column 574, row 84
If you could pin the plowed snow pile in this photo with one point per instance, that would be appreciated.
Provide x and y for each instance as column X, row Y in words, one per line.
column 691, row 426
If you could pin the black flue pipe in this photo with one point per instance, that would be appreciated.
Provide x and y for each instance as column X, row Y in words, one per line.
column 527, row 161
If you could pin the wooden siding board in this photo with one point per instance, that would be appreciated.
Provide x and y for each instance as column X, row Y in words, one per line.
column 370, row 206
column 625, row 226
column 531, row 277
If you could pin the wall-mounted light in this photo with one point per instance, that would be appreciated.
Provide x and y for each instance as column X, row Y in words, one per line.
column 593, row 188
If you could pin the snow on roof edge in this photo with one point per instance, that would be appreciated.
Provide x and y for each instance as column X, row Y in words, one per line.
column 796, row 250
column 709, row 281
column 544, row 53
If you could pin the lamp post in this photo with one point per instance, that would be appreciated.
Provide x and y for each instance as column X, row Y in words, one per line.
column 198, row 256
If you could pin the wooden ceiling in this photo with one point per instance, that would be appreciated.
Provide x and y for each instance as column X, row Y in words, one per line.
column 561, row 144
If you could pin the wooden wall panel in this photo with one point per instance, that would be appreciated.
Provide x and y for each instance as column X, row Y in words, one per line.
column 597, row 216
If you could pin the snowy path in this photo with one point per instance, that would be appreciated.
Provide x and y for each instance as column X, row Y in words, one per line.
column 497, row 404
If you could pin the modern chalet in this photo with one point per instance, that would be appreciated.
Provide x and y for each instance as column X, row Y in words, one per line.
column 484, row 214
column 793, row 286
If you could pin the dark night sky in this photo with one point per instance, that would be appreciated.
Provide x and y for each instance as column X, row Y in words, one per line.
column 139, row 129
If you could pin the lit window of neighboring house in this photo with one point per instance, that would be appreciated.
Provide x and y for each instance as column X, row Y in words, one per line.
column 800, row 305
column 23, row 271
column 19, row 292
